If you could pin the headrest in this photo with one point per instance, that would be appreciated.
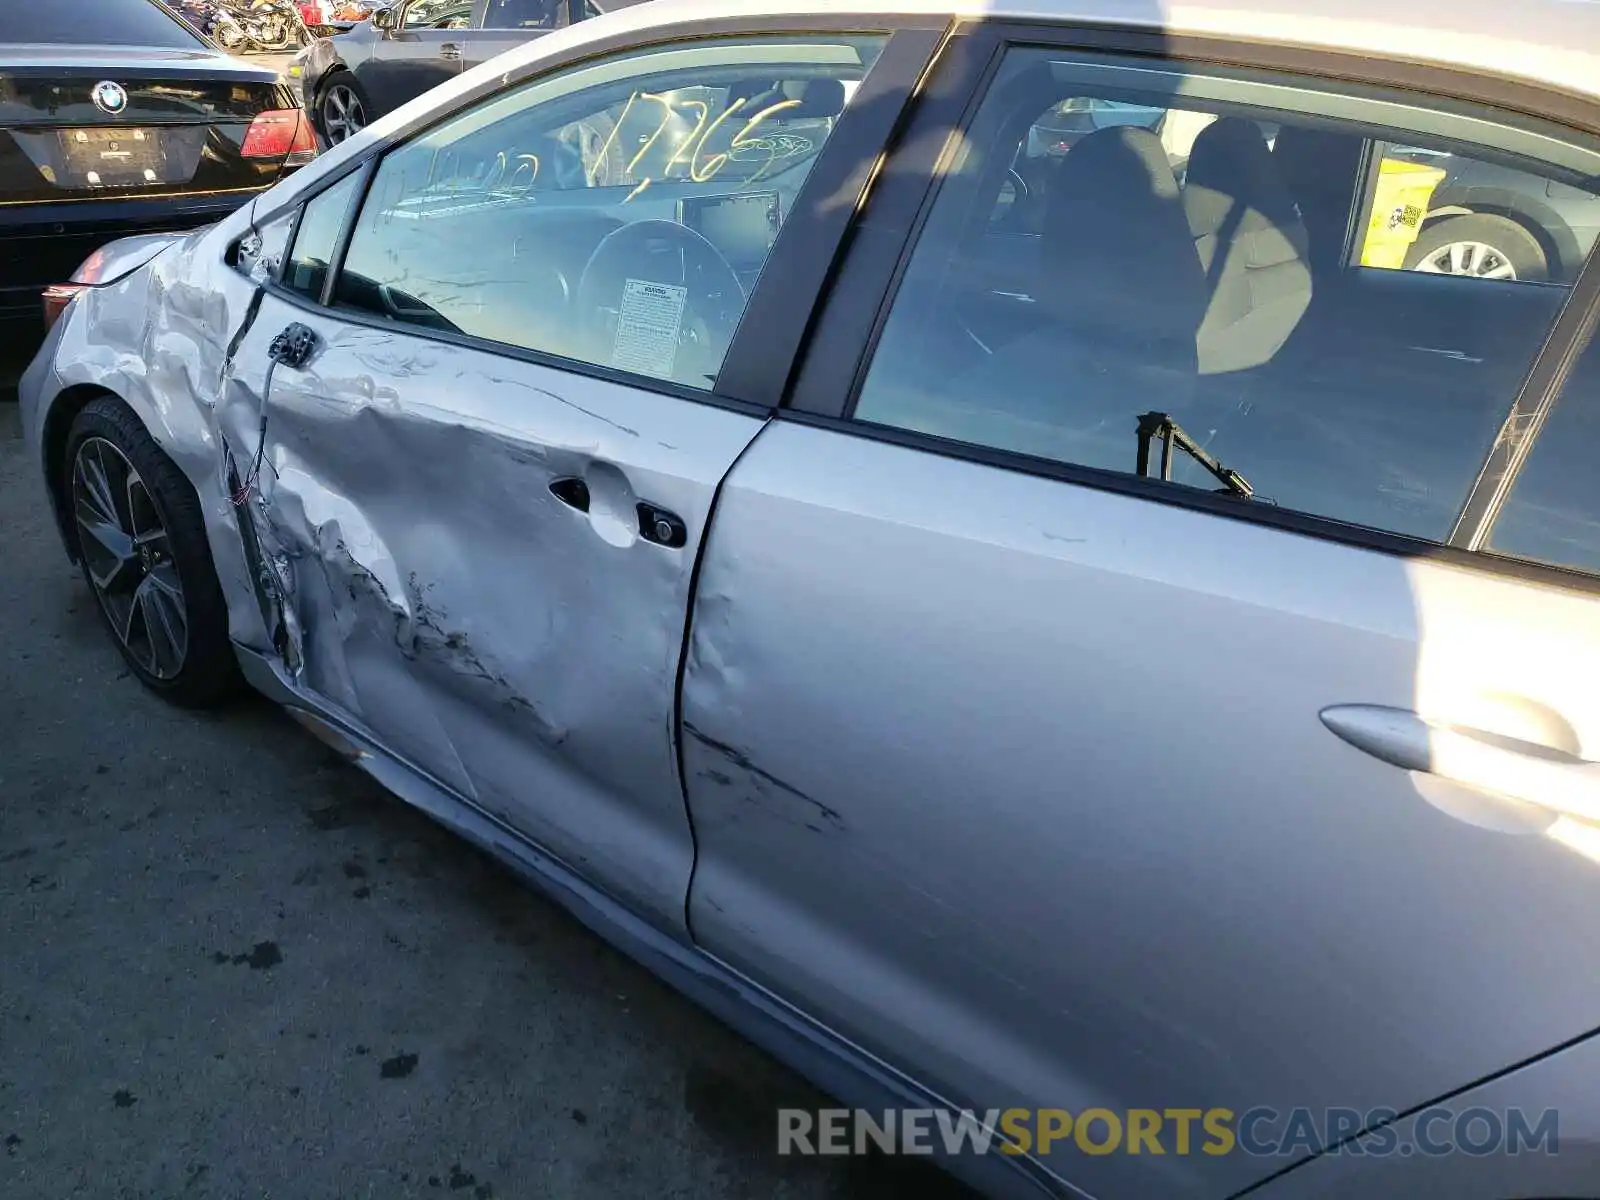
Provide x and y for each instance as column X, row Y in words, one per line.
column 1233, row 189
column 817, row 97
column 1118, row 256
column 1319, row 169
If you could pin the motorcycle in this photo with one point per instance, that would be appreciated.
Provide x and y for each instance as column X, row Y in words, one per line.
column 269, row 25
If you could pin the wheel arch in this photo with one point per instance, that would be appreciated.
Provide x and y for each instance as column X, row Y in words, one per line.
column 334, row 69
column 337, row 70
column 56, row 430
column 1543, row 223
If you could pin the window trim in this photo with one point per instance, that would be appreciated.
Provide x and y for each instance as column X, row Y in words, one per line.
column 808, row 243
column 835, row 360
column 1569, row 338
column 761, row 372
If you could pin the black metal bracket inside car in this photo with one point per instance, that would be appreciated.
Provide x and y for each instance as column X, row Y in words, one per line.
column 294, row 346
column 1154, row 425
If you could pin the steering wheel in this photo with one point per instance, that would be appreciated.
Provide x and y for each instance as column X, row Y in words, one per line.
column 657, row 298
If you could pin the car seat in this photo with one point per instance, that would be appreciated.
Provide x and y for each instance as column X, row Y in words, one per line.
column 1251, row 244
column 1120, row 293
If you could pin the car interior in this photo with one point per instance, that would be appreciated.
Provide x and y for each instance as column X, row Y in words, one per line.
column 437, row 14
column 531, row 235
column 1115, row 257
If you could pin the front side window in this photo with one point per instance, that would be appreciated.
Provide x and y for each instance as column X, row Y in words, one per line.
column 1231, row 282
column 317, row 238
column 524, row 14
column 617, row 214
column 437, row 14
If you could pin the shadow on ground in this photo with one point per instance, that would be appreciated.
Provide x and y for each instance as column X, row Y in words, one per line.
column 234, row 966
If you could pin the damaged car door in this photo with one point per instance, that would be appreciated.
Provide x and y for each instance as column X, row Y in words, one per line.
column 471, row 437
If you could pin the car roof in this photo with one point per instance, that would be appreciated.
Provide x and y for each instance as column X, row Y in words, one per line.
column 1555, row 43
column 1552, row 42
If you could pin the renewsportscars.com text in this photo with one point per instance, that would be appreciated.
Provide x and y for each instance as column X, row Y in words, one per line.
column 1261, row 1132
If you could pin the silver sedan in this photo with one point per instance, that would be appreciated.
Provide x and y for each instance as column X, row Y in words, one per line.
column 1044, row 622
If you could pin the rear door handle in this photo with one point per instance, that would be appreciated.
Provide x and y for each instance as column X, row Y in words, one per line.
column 450, row 50
column 1549, row 779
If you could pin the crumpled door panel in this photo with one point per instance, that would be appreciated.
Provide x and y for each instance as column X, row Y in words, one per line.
column 433, row 587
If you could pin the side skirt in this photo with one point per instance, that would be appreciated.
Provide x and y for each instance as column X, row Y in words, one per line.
column 830, row 1063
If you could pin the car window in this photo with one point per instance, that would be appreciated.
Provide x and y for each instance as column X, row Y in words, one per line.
column 430, row 14
column 1432, row 210
column 616, row 214
column 523, row 14
column 115, row 23
column 1553, row 512
column 317, row 238
column 1213, row 279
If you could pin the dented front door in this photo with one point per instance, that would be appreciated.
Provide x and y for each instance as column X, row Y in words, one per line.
column 468, row 574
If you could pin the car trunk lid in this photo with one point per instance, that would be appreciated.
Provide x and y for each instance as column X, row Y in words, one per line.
column 97, row 123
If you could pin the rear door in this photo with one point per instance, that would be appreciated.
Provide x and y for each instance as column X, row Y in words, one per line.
column 479, row 502
column 1119, row 705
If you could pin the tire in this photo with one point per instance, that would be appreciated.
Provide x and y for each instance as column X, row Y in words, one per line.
column 1480, row 245
column 340, row 100
column 152, row 576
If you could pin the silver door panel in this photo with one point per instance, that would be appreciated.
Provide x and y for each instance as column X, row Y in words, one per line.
column 523, row 653
column 1024, row 786
column 1558, row 1090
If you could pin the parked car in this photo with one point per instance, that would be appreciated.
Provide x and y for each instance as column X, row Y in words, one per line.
column 1488, row 219
column 353, row 78
column 115, row 119
column 1137, row 666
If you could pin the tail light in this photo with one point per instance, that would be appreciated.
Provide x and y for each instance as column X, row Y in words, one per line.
column 282, row 133
column 56, row 298
column 58, row 295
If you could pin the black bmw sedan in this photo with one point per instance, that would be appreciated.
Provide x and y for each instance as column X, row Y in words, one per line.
column 118, row 118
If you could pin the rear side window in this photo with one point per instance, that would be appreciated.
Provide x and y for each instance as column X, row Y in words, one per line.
column 1553, row 512
column 94, row 22
column 1242, row 285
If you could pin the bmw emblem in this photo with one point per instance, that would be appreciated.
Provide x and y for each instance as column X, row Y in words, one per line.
column 108, row 97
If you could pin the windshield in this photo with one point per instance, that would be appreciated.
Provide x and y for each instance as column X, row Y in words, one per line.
column 94, row 22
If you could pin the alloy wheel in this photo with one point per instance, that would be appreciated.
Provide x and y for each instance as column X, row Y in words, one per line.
column 1477, row 259
column 128, row 556
column 342, row 114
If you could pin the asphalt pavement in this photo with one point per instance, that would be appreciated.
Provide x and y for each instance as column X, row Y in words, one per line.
column 231, row 966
